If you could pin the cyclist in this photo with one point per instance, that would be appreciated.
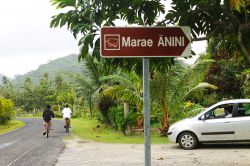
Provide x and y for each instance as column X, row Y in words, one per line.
column 66, row 115
column 47, row 115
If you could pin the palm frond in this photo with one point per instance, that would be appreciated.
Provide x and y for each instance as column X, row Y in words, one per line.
column 235, row 4
column 93, row 71
column 127, row 86
column 195, row 74
column 200, row 87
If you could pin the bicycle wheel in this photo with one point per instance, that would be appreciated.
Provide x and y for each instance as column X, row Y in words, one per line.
column 67, row 125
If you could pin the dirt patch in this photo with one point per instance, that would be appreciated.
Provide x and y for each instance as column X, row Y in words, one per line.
column 85, row 152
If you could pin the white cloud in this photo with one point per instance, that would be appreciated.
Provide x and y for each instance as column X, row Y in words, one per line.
column 26, row 39
column 13, row 65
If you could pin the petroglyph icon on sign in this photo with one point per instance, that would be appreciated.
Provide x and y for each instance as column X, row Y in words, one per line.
column 112, row 42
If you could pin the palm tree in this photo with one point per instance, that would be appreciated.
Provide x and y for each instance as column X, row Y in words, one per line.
column 170, row 89
column 90, row 84
column 86, row 87
column 126, row 87
column 236, row 4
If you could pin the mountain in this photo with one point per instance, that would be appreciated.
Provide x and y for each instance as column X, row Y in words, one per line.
column 66, row 66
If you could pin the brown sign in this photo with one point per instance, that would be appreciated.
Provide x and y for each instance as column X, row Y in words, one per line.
column 145, row 42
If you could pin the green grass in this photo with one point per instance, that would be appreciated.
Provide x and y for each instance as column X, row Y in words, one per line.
column 11, row 125
column 87, row 129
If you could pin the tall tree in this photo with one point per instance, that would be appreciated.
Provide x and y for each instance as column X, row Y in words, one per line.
column 59, row 82
column 28, row 95
column 46, row 91
column 85, row 18
column 90, row 84
column 214, row 18
column 6, row 89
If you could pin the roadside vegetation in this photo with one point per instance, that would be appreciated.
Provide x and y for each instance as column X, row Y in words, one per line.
column 93, row 130
column 7, row 116
column 7, row 112
column 109, row 93
column 10, row 125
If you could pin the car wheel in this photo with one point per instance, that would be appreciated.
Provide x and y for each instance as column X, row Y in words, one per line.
column 187, row 141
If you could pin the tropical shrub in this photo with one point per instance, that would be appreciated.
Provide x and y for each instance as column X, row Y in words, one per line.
column 118, row 121
column 104, row 103
column 187, row 110
column 6, row 110
column 127, row 88
column 224, row 74
column 77, row 113
column 180, row 83
column 57, row 114
column 56, row 111
column 246, row 83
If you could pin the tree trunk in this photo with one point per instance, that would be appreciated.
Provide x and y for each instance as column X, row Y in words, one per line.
column 90, row 106
column 59, row 107
column 140, row 119
column 74, row 106
column 241, row 44
column 140, row 122
column 126, row 109
column 17, row 112
column 165, row 123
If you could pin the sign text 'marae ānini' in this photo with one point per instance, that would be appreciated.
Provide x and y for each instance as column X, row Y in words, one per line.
column 166, row 41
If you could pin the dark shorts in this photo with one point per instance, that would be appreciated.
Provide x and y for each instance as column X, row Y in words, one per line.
column 47, row 120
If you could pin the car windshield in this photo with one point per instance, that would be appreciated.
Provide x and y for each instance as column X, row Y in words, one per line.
column 197, row 111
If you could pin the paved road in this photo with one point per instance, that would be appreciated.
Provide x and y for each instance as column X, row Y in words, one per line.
column 28, row 147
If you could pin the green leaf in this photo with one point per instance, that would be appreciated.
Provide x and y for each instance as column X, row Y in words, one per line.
column 84, row 51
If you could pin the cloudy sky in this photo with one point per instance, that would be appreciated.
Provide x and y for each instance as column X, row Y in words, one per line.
column 26, row 41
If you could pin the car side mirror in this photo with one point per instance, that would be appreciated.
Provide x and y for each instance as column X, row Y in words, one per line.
column 202, row 117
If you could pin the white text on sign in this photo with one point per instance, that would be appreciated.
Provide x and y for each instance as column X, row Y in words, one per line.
column 163, row 41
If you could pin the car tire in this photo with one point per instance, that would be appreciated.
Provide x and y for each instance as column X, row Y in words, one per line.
column 187, row 141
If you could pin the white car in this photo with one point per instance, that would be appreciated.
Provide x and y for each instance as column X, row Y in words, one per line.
column 226, row 121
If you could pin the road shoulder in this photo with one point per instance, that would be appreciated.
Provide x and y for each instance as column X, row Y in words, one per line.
column 85, row 152
column 11, row 126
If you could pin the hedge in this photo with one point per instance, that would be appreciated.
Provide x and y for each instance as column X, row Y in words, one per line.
column 6, row 110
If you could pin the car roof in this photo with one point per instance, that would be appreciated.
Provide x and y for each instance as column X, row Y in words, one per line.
column 234, row 101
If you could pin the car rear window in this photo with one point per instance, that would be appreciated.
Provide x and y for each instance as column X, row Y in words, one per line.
column 244, row 109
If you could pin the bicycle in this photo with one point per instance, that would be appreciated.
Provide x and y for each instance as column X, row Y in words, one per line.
column 67, row 122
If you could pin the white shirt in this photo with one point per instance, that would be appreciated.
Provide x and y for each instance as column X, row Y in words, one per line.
column 66, row 113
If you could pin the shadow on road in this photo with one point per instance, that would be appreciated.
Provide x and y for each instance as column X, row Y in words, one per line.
column 217, row 146
column 225, row 146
